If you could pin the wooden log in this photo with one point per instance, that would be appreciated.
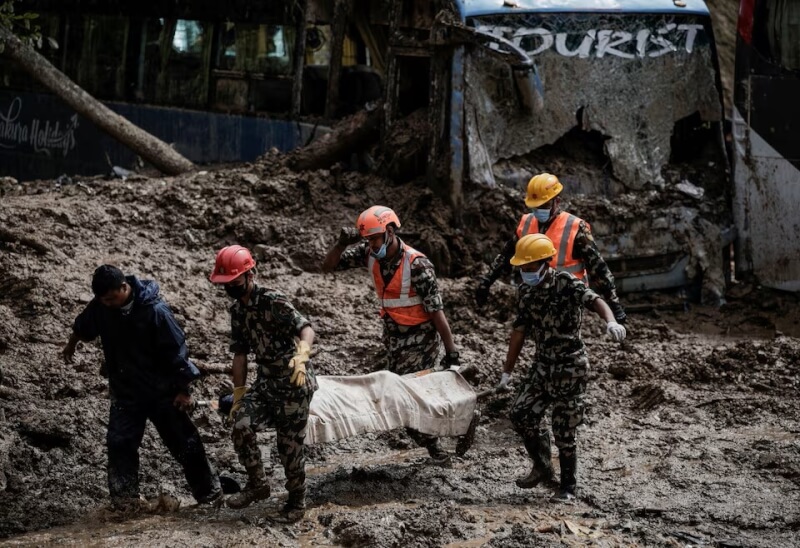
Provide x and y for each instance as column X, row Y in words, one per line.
column 11, row 237
column 352, row 134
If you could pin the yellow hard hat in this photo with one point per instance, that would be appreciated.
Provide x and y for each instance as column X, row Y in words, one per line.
column 532, row 248
column 542, row 188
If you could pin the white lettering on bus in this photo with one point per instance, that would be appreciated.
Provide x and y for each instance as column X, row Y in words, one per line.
column 602, row 42
column 43, row 135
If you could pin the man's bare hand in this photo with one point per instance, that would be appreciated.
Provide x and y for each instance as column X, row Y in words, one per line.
column 184, row 402
column 68, row 353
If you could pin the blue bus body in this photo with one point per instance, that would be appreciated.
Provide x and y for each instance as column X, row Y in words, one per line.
column 43, row 138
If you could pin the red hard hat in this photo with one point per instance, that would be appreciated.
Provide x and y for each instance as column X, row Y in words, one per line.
column 232, row 262
column 374, row 220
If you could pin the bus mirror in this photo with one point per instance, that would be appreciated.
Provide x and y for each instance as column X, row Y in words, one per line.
column 523, row 69
column 529, row 88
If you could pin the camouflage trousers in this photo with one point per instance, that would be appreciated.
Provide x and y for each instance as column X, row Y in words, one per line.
column 410, row 352
column 275, row 402
column 563, row 387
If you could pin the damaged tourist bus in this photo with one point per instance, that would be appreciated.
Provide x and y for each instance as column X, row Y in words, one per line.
column 766, row 149
column 630, row 117
column 620, row 98
column 214, row 79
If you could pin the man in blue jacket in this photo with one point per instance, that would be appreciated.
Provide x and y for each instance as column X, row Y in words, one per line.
column 149, row 376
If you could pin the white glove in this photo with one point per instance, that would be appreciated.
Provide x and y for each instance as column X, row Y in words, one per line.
column 615, row 331
column 502, row 386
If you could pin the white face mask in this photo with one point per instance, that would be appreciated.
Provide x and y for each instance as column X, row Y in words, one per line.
column 534, row 278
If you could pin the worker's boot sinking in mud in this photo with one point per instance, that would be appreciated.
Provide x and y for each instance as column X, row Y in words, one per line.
column 439, row 457
column 295, row 507
column 542, row 471
column 567, row 491
column 465, row 442
column 256, row 489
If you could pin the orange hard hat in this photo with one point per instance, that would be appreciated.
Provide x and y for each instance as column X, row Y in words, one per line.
column 374, row 220
column 232, row 262
column 542, row 188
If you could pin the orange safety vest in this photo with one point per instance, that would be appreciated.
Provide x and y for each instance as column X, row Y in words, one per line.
column 562, row 232
column 398, row 298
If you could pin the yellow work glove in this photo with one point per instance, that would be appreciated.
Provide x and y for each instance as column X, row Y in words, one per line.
column 238, row 394
column 298, row 363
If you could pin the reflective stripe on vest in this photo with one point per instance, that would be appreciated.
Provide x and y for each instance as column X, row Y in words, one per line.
column 562, row 232
column 403, row 305
column 524, row 227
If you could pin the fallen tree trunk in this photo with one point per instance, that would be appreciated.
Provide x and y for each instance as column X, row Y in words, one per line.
column 155, row 151
column 350, row 135
column 11, row 237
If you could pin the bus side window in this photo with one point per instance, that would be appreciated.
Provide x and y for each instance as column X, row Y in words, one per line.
column 783, row 31
column 359, row 82
column 95, row 54
column 177, row 53
column 776, row 32
column 253, row 68
column 13, row 77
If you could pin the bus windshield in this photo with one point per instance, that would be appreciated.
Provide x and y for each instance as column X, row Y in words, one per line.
column 630, row 77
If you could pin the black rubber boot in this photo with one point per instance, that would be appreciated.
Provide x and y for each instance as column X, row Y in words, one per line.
column 465, row 442
column 568, row 489
column 439, row 457
column 295, row 507
column 542, row 471
column 256, row 489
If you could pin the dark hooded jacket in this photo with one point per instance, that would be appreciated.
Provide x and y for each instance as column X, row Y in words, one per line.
column 145, row 349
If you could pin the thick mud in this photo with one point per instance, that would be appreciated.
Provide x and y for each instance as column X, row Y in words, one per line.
column 691, row 436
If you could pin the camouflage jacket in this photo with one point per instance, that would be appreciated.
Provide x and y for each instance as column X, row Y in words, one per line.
column 552, row 313
column 423, row 279
column 584, row 248
column 266, row 326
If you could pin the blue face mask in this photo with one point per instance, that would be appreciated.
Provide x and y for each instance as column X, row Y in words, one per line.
column 381, row 253
column 542, row 215
column 533, row 278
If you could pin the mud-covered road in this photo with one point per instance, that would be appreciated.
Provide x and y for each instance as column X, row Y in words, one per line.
column 691, row 436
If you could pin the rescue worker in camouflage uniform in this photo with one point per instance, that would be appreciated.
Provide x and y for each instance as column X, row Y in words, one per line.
column 264, row 323
column 149, row 377
column 576, row 250
column 550, row 308
column 411, row 305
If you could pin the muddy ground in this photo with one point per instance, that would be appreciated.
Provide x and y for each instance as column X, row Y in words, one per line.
column 691, row 436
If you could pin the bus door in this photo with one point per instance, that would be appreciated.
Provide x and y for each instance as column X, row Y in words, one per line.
column 766, row 121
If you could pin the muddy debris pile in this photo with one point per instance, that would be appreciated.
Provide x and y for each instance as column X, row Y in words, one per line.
column 692, row 424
